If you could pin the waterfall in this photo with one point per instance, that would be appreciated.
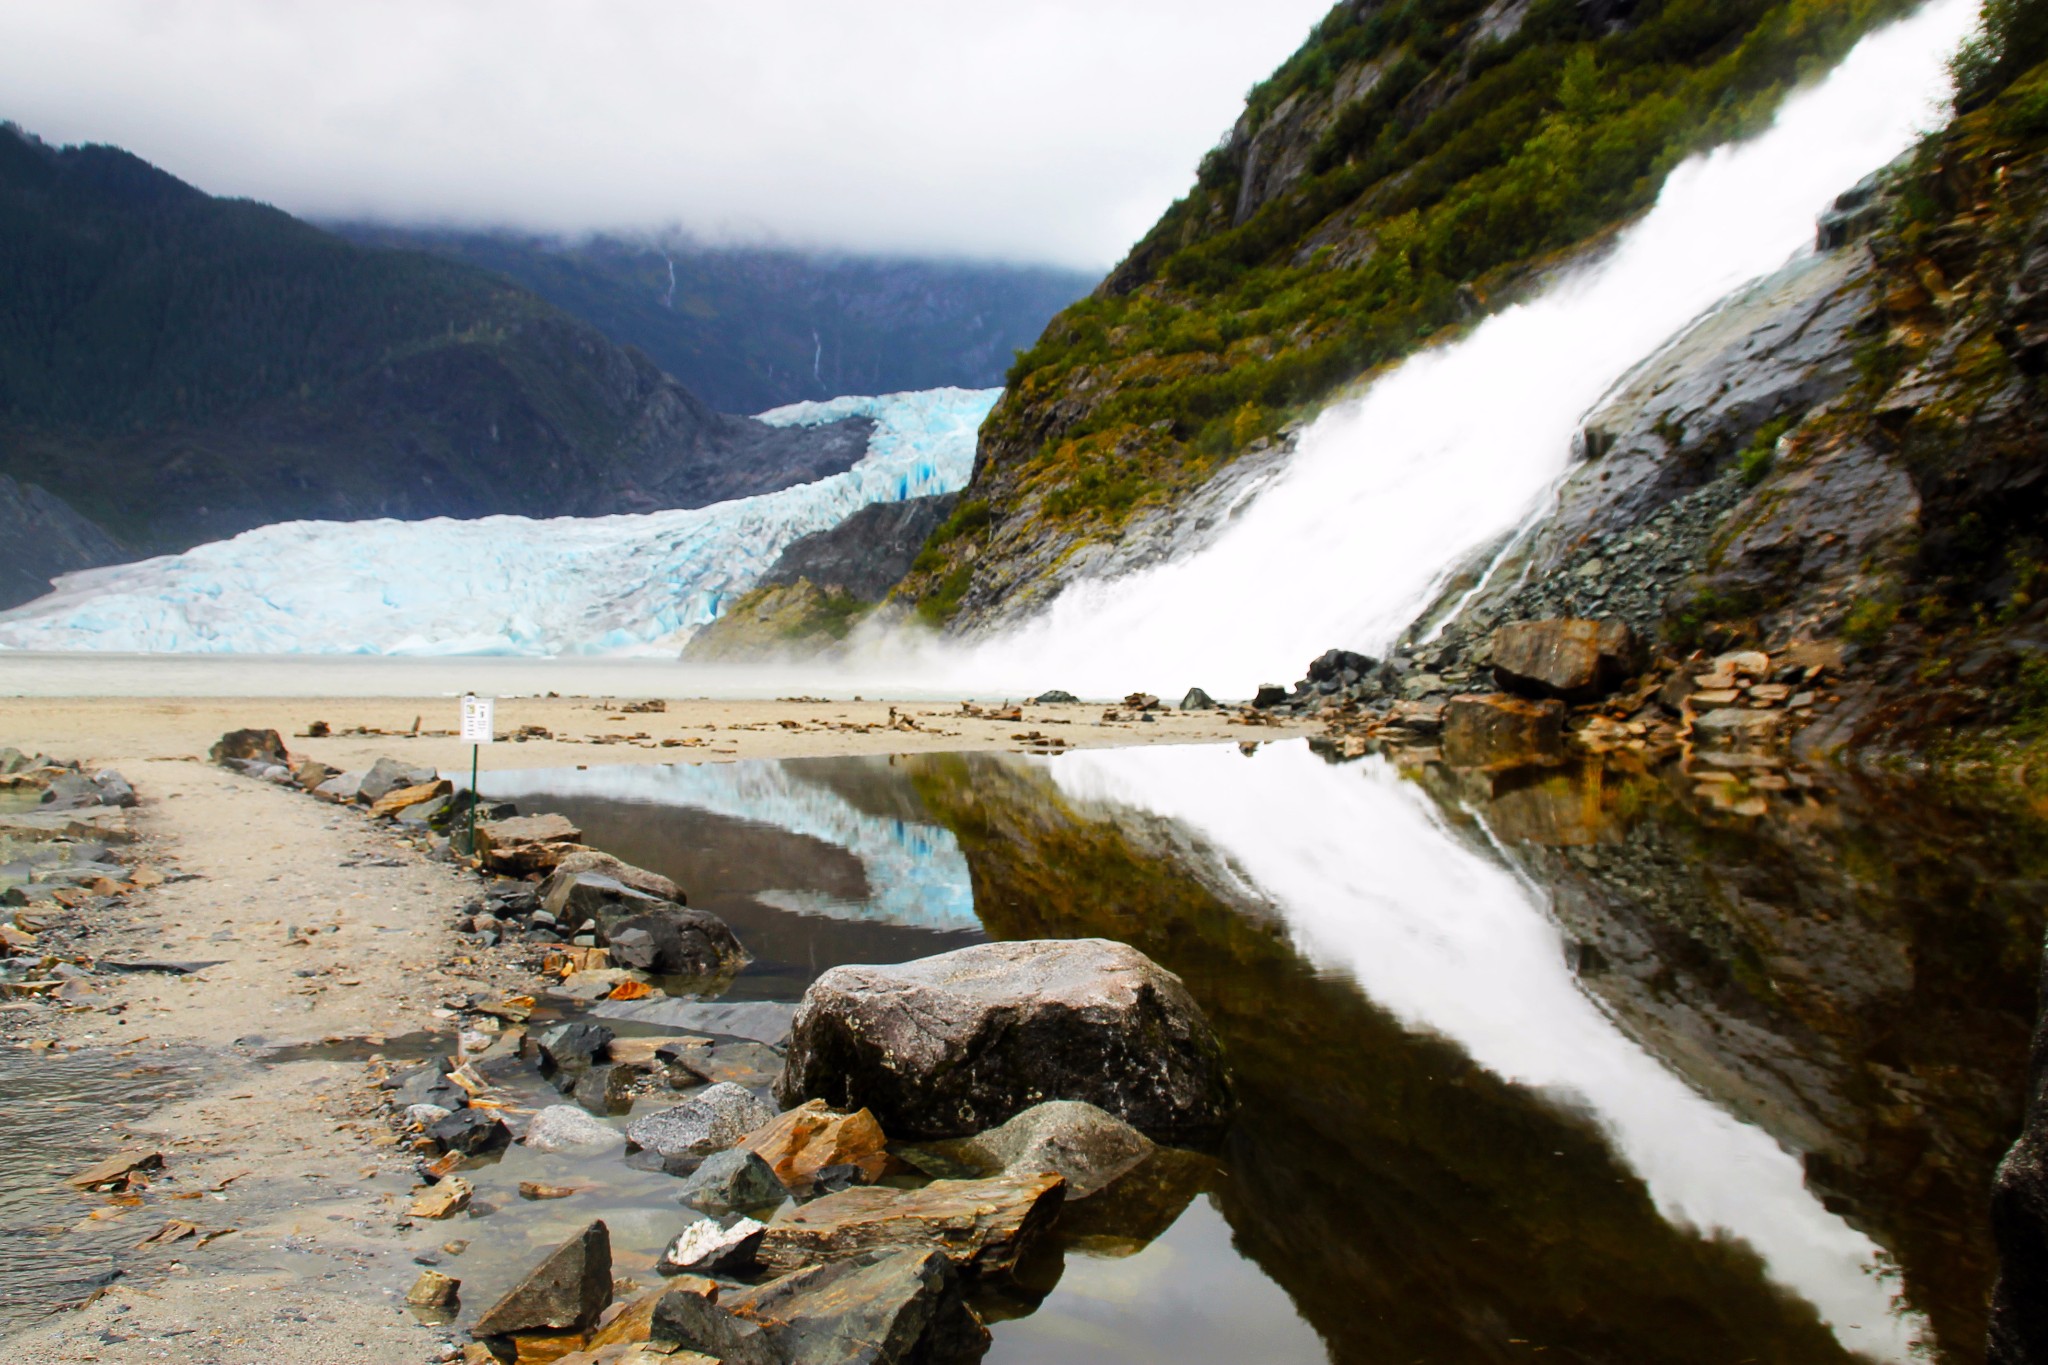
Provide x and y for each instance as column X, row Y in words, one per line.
column 1387, row 493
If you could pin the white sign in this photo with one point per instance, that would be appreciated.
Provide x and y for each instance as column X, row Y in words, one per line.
column 476, row 719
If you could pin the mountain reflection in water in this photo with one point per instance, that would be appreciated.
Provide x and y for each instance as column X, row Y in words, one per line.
column 1561, row 1062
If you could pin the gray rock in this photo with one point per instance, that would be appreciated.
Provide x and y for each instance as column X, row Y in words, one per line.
column 2019, row 1223
column 712, row 1120
column 604, row 864
column 689, row 1321
column 1056, row 697
column 680, row 941
column 343, row 787
column 114, row 789
column 425, row 1115
column 387, row 775
column 733, row 1181
column 1269, row 695
column 607, row 1088
column 428, row 1083
column 1197, row 700
column 565, row 1292
column 72, row 791
column 472, row 1132
column 1075, row 1139
column 566, row 1128
column 571, row 1049
column 951, row 1045
column 764, row 1021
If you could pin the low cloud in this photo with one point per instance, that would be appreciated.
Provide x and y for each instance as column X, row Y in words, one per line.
column 1054, row 131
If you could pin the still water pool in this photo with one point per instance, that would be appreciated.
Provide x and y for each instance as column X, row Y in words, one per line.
column 1571, row 1064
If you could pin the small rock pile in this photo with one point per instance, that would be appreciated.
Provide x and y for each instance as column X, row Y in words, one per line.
column 806, row 1227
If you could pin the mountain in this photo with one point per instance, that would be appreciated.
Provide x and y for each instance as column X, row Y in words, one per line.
column 177, row 368
column 1415, row 167
column 752, row 328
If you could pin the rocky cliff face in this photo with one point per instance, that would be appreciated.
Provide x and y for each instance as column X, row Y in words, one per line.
column 41, row 537
column 823, row 584
column 1412, row 167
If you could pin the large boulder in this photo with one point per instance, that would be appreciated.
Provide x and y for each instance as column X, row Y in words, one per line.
column 951, row 1045
column 711, row 1120
column 1493, row 730
column 1573, row 660
column 639, row 878
column 388, row 775
column 983, row 1226
column 565, row 1292
column 896, row 1308
column 652, row 935
column 245, row 745
column 526, row 843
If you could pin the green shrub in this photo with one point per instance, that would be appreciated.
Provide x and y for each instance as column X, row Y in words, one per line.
column 1761, row 453
column 1869, row 622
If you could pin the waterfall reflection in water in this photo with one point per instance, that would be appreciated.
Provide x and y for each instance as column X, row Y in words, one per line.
column 1449, row 1144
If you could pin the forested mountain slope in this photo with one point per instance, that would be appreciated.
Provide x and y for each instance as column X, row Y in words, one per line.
column 179, row 368
column 753, row 328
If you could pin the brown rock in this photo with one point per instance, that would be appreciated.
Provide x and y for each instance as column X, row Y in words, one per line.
column 433, row 1290
column 1573, row 660
column 981, row 1225
column 527, row 843
column 312, row 773
column 1493, row 730
column 900, row 1308
column 565, row 1292
column 267, row 745
column 803, row 1141
column 117, row 1168
column 444, row 1200
column 393, row 802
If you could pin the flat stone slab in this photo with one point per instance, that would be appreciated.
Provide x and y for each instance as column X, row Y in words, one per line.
column 762, row 1021
column 982, row 1226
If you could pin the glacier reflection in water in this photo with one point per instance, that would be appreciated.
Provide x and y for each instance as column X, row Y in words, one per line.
column 915, row 873
column 1371, row 883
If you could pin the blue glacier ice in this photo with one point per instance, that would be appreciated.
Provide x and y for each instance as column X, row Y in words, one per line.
column 637, row 584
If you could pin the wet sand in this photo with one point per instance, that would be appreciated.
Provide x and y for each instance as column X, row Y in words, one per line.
column 121, row 730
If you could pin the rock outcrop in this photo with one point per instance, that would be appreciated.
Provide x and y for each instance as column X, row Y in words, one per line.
column 948, row 1046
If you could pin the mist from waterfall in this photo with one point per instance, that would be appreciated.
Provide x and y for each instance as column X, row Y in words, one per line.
column 1388, row 493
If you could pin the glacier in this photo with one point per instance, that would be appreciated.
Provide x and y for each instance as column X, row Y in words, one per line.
column 623, row 585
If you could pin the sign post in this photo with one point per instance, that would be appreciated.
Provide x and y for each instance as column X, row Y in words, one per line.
column 476, row 732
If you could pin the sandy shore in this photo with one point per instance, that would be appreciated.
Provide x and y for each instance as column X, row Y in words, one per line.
column 124, row 731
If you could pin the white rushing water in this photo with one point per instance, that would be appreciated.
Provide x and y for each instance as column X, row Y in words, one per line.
column 1388, row 493
column 1372, row 884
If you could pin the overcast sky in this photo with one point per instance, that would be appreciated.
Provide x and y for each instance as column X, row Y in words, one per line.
column 1035, row 130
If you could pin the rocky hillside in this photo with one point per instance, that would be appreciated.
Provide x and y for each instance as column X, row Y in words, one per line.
column 825, row 583
column 753, row 328
column 1408, row 170
column 177, row 368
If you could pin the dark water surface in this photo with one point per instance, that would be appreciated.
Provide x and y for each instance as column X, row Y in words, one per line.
column 1576, row 1065
column 55, row 1109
